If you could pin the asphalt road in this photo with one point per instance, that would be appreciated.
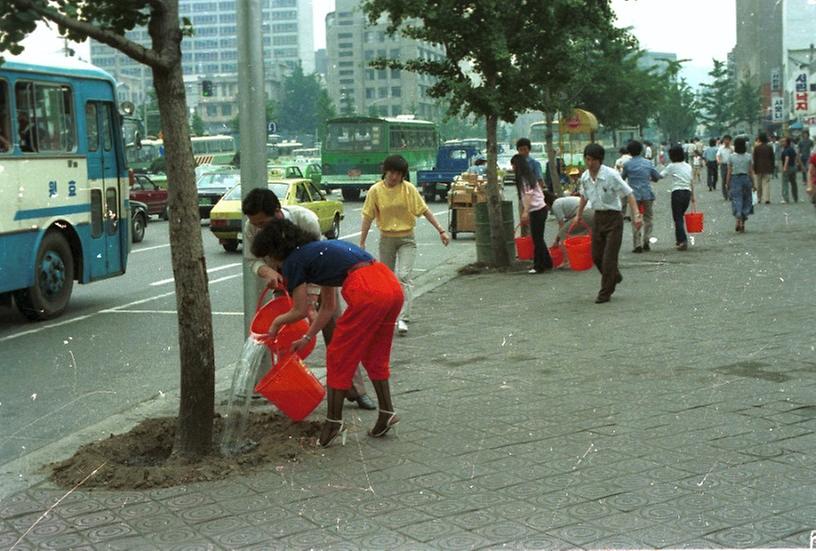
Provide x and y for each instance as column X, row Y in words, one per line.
column 117, row 344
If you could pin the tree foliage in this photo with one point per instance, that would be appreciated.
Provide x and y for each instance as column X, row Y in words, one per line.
column 502, row 58
column 197, row 124
column 676, row 115
column 107, row 22
column 302, row 104
column 716, row 100
column 746, row 105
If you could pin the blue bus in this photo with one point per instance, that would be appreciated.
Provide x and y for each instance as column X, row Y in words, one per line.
column 64, row 212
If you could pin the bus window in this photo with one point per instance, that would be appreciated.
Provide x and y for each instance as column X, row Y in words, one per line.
column 5, row 123
column 107, row 136
column 112, row 209
column 355, row 137
column 92, row 130
column 45, row 118
column 96, row 213
column 199, row 147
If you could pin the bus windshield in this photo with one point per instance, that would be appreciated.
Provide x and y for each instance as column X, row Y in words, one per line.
column 219, row 180
column 362, row 136
column 278, row 188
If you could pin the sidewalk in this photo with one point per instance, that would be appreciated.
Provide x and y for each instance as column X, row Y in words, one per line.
column 681, row 414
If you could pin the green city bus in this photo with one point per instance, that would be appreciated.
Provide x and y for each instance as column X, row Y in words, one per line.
column 356, row 147
column 213, row 150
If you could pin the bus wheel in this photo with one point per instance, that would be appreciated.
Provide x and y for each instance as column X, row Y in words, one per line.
column 230, row 245
column 137, row 227
column 53, row 280
column 351, row 194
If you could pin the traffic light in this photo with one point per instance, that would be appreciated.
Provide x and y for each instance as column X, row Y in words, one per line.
column 206, row 88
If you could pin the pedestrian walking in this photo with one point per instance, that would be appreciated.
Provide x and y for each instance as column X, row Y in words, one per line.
column 622, row 159
column 396, row 204
column 603, row 187
column 763, row 163
column 523, row 148
column 777, row 149
column 805, row 148
column 639, row 174
column 723, row 156
column 681, row 183
column 710, row 156
column 261, row 206
column 534, row 212
column 697, row 163
column 648, row 153
column 789, row 170
column 811, row 182
column 738, row 179
column 364, row 332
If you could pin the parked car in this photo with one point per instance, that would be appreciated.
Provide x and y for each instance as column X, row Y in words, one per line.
column 145, row 190
column 212, row 186
column 226, row 216
column 138, row 220
column 314, row 172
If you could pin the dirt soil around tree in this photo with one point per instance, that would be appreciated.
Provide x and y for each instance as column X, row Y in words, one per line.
column 141, row 458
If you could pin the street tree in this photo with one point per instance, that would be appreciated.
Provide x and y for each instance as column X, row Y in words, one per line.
column 107, row 21
column 325, row 111
column 271, row 116
column 716, row 100
column 677, row 108
column 197, row 124
column 747, row 104
column 300, row 103
column 496, row 52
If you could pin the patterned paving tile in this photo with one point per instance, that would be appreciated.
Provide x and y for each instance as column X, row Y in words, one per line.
column 107, row 532
column 739, row 537
column 581, row 534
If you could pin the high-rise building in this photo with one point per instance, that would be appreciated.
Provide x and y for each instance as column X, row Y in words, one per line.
column 355, row 87
column 212, row 52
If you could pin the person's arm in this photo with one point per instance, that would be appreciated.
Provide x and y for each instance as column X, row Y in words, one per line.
column 580, row 213
column 328, row 304
column 365, row 226
column 638, row 221
column 785, row 163
column 300, row 308
column 257, row 265
column 811, row 178
column 728, row 176
column 655, row 175
column 443, row 235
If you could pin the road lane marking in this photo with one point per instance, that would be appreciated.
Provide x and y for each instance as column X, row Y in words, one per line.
column 102, row 311
column 149, row 248
column 211, row 270
column 174, row 312
column 225, row 278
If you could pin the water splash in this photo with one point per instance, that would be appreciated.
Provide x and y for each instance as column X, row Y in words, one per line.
column 244, row 375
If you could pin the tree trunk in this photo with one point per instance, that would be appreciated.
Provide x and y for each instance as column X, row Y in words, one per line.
column 494, row 197
column 196, row 405
column 551, row 158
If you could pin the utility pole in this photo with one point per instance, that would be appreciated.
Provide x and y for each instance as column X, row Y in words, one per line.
column 252, row 121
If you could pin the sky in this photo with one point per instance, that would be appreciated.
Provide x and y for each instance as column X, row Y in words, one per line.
column 698, row 31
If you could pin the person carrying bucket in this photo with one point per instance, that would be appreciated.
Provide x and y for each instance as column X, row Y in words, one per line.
column 604, row 187
column 364, row 332
column 534, row 212
column 564, row 210
column 639, row 174
column 262, row 205
column 681, row 182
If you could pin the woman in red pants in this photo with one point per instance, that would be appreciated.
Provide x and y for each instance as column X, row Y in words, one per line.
column 365, row 330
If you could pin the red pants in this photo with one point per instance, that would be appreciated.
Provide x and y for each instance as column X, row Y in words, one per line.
column 366, row 329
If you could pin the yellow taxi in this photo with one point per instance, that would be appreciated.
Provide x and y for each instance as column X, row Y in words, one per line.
column 226, row 217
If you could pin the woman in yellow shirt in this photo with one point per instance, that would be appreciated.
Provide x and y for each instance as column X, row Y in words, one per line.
column 395, row 204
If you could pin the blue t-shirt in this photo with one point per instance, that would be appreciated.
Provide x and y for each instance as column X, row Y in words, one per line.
column 790, row 153
column 322, row 263
column 535, row 166
column 639, row 173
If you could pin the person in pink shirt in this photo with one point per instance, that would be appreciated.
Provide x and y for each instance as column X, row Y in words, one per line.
column 534, row 212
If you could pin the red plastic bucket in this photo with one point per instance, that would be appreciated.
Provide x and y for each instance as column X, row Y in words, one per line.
column 556, row 255
column 292, row 388
column 289, row 333
column 524, row 248
column 694, row 222
column 579, row 252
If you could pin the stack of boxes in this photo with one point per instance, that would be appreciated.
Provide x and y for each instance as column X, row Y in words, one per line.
column 467, row 190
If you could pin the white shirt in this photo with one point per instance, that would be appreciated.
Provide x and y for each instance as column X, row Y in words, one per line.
column 301, row 217
column 724, row 155
column 606, row 190
column 622, row 161
column 647, row 154
column 678, row 175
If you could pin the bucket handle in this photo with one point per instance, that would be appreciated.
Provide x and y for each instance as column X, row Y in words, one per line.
column 582, row 223
column 263, row 295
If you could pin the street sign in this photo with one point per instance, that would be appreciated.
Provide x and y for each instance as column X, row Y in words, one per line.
column 776, row 80
column 271, row 128
column 778, row 105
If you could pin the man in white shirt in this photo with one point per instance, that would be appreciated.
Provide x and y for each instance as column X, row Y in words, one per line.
column 723, row 156
column 624, row 156
column 604, row 187
column 262, row 205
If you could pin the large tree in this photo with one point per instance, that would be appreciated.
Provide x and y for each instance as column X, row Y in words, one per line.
column 300, row 103
column 677, row 109
column 716, row 100
column 499, row 55
column 747, row 104
column 107, row 21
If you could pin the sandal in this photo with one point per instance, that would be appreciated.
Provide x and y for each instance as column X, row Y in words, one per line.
column 342, row 432
column 389, row 424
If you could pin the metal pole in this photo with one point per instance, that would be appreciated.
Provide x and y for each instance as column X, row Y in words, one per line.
column 252, row 120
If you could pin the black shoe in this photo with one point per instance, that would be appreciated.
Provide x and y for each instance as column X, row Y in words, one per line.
column 618, row 278
column 601, row 300
column 647, row 247
column 637, row 250
column 364, row 402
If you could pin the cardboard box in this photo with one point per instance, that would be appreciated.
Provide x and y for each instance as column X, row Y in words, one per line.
column 461, row 197
column 465, row 219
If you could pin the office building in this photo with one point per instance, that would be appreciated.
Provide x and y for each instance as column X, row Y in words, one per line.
column 355, row 87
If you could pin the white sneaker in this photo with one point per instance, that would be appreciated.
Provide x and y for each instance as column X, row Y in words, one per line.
column 402, row 328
